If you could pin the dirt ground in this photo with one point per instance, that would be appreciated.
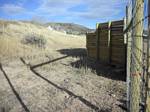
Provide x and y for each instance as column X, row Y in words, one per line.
column 58, row 78
column 69, row 83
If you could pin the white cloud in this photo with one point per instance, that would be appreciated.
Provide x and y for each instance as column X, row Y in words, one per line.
column 103, row 8
column 57, row 7
column 95, row 8
column 12, row 9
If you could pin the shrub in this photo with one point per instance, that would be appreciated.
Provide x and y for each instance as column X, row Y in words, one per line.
column 34, row 39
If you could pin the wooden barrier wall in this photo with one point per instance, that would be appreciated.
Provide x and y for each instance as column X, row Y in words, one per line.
column 107, row 44
column 118, row 46
column 91, row 44
column 103, row 43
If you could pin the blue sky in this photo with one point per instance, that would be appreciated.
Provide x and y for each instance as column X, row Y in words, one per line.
column 84, row 12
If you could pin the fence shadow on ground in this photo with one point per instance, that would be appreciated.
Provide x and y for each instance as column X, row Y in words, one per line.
column 13, row 89
column 74, row 53
column 86, row 102
column 100, row 69
column 123, row 105
column 48, row 62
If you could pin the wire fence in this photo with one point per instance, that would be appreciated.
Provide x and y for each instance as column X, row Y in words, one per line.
column 137, row 54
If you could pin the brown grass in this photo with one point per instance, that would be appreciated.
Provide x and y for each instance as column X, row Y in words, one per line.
column 14, row 32
column 58, row 86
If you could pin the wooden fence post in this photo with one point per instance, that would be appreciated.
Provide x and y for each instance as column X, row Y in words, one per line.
column 136, row 56
column 109, row 40
column 128, row 64
column 148, row 64
column 97, row 38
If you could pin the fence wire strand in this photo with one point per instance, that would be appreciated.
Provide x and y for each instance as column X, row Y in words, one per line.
column 141, row 59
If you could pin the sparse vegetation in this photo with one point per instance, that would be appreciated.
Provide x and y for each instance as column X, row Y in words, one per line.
column 34, row 39
column 65, row 80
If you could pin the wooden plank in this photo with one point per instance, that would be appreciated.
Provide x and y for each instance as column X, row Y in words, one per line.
column 104, row 25
column 117, row 27
column 118, row 63
column 121, row 43
column 92, row 48
column 117, row 30
column 115, row 23
column 91, row 45
column 118, row 56
column 120, row 46
column 114, row 39
column 91, row 41
column 91, row 51
column 119, row 59
column 118, row 42
column 117, row 38
column 104, row 29
column 117, row 34
column 103, row 33
column 119, row 50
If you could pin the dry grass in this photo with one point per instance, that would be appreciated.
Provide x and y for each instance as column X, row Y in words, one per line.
column 14, row 32
column 66, row 83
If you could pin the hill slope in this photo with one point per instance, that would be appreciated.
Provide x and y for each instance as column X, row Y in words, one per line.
column 69, row 28
column 48, row 71
column 13, row 35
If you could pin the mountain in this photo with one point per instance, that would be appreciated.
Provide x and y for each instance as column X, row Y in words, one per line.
column 69, row 28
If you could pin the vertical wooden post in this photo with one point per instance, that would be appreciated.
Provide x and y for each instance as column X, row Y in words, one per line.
column 97, row 38
column 86, row 44
column 109, row 41
column 148, row 65
column 128, row 58
column 136, row 56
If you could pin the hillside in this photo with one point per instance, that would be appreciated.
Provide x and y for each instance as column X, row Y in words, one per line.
column 69, row 28
column 15, row 32
column 44, row 70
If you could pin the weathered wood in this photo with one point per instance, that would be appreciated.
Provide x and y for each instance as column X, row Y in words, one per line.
column 117, row 43
column 117, row 23
column 109, row 41
column 135, row 66
column 104, row 42
column 97, row 39
column 148, row 65
column 91, row 44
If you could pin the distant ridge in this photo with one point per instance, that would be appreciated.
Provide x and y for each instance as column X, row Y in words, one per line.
column 69, row 28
